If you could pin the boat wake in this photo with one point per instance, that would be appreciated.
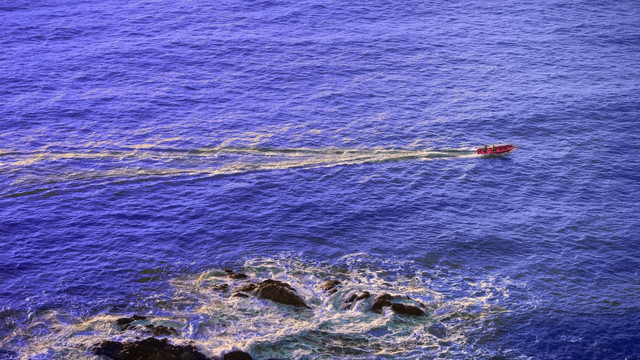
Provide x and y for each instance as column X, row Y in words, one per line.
column 48, row 171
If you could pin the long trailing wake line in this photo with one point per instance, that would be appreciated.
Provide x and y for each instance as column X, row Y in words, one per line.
column 44, row 170
column 17, row 158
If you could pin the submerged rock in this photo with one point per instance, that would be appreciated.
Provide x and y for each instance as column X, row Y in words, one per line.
column 236, row 276
column 220, row 287
column 438, row 330
column 127, row 323
column 330, row 286
column 150, row 348
column 159, row 330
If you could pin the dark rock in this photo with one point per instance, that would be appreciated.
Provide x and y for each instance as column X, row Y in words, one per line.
column 237, row 355
column 247, row 287
column 330, row 286
column 156, row 330
column 381, row 301
column 109, row 348
column 406, row 309
column 279, row 292
column 233, row 275
column 220, row 287
column 159, row 330
column 242, row 290
column 125, row 323
column 384, row 300
column 150, row 348
column 273, row 290
column 355, row 297
column 238, row 276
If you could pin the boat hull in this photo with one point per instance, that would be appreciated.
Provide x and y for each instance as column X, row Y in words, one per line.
column 496, row 150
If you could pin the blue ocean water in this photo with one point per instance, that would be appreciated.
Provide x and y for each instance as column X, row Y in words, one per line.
column 145, row 146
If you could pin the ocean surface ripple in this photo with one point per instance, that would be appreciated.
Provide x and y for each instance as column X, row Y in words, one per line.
column 148, row 146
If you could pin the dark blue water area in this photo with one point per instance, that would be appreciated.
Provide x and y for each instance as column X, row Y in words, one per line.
column 146, row 145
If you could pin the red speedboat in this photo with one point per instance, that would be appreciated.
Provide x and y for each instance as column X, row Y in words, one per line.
column 495, row 150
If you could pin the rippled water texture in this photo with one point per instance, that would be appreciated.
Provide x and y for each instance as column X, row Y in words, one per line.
column 147, row 146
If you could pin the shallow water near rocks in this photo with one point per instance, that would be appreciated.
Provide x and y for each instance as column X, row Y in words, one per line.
column 145, row 147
